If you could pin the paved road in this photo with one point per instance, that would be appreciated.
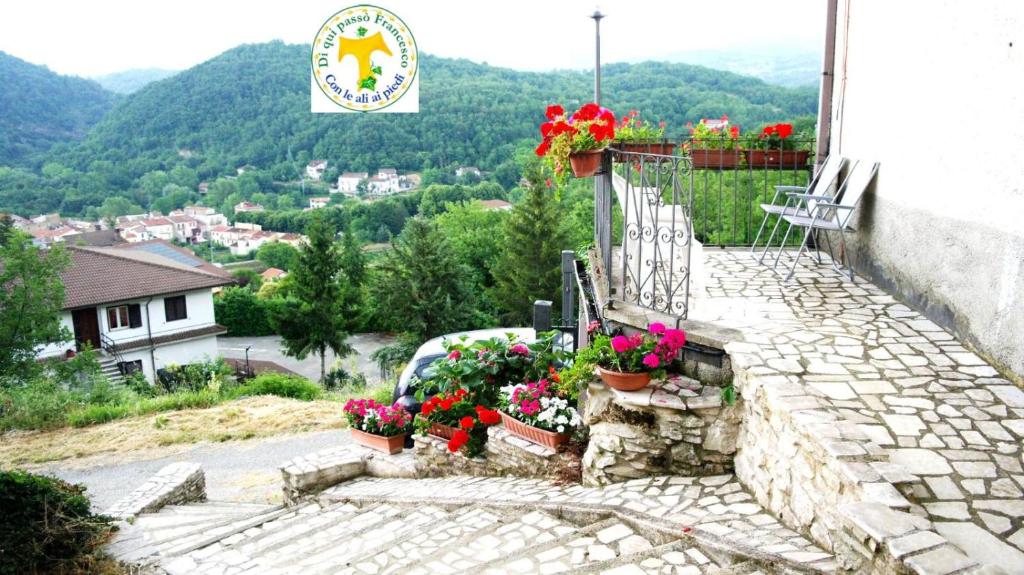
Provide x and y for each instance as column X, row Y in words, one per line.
column 235, row 470
column 268, row 348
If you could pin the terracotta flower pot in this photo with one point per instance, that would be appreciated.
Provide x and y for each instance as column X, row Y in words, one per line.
column 776, row 158
column 715, row 158
column 389, row 445
column 624, row 381
column 441, row 430
column 532, row 434
column 662, row 148
column 586, row 164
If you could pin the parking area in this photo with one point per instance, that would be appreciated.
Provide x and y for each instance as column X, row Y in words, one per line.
column 268, row 348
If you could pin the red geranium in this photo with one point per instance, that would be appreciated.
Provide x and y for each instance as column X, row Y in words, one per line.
column 555, row 111
column 459, row 438
column 467, row 422
column 489, row 417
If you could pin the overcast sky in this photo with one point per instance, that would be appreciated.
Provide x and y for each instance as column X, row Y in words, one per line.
column 96, row 37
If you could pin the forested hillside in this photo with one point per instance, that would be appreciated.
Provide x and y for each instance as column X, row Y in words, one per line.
column 39, row 108
column 250, row 106
column 130, row 81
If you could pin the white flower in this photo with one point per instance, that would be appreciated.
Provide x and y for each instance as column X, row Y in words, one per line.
column 561, row 429
column 562, row 419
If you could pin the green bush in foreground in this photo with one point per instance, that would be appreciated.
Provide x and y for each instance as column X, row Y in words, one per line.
column 280, row 385
column 46, row 526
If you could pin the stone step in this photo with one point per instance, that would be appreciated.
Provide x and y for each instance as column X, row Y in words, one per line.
column 213, row 534
column 156, row 533
column 503, row 540
column 281, row 532
column 595, row 543
column 462, row 526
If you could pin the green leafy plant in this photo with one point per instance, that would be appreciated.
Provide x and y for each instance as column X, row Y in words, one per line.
column 47, row 525
column 778, row 137
column 705, row 137
column 570, row 381
column 291, row 386
column 633, row 129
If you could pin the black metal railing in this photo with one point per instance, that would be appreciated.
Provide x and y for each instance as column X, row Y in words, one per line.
column 730, row 185
column 108, row 345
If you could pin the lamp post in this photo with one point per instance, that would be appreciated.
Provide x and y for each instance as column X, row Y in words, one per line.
column 597, row 16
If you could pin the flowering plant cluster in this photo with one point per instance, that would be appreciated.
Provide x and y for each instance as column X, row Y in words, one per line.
column 773, row 137
column 535, row 404
column 458, row 411
column 633, row 129
column 713, row 135
column 375, row 418
column 482, row 367
column 589, row 128
column 649, row 352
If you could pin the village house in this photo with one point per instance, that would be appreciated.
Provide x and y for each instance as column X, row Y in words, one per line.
column 495, row 205
column 161, row 227
column 242, row 207
column 466, row 170
column 319, row 202
column 349, row 181
column 142, row 311
column 186, row 228
column 47, row 237
column 315, row 169
column 271, row 275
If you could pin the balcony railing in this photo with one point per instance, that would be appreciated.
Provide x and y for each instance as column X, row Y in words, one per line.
column 653, row 209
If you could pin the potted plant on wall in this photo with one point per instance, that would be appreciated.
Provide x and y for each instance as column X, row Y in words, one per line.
column 576, row 141
column 535, row 413
column 627, row 363
column 775, row 147
column 714, row 144
column 634, row 135
column 465, row 425
column 379, row 427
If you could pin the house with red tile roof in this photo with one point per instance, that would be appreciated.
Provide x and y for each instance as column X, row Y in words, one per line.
column 142, row 309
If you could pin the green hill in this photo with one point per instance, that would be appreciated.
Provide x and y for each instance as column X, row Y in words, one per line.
column 250, row 106
column 41, row 108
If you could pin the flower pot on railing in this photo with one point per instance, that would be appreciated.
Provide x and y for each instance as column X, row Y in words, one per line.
column 624, row 381
column 776, row 158
column 390, row 445
column 652, row 147
column 715, row 159
column 532, row 434
column 586, row 164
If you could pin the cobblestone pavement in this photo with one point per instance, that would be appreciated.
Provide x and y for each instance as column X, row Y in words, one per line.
column 917, row 395
column 479, row 525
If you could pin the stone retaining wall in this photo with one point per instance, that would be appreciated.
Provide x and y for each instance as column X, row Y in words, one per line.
column 504, row 455
column 175, row 484
column 317, row 471
column 672, row 427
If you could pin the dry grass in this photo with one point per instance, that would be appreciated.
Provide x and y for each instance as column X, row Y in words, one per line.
column 242, row 419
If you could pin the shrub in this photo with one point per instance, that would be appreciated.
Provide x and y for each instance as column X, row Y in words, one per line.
column 96, row 414
column 193, row 376
column 280, row 385
column 244, row 314
column 38, row 404
column 46, row 525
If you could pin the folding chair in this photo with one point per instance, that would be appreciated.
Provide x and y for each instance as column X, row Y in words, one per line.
column 819, row 186
column 830, row 216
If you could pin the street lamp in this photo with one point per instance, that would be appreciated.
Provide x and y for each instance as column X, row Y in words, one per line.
column 597, row 16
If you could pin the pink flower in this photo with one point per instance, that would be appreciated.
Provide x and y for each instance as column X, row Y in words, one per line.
column 652, row 361
column 455, row 354
column 620, row 343
column 593, row 326
column 519, row 349
column 656, row 328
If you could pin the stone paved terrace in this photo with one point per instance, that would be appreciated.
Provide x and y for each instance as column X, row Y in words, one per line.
column 885, row 392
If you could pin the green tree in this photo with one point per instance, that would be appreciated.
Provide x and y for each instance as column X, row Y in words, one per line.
column 420, row 287
column 530, row 267
column 114, row 206
column 278, row 255
column 30, row 302
column 313, row 319
column 239, row 310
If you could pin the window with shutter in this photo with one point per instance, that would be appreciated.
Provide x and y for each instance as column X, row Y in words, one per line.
column 117, row 317
column 174, row 308
column 134, row 315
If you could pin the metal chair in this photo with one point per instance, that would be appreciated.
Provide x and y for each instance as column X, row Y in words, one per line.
column 819, row 186
column 829, row 216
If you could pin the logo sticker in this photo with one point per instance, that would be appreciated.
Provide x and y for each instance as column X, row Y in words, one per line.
column 364, row 59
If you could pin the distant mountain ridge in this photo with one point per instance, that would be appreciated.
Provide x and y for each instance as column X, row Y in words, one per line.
column 129, row 81
column 41, row 108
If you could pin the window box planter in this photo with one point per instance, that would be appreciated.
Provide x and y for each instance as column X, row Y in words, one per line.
column 532, row 434
column 777, row 159
column 441, row 430
column 389, row 445
column 624, row 381
column 586, row 164
column 715, row 159
column 653, row 147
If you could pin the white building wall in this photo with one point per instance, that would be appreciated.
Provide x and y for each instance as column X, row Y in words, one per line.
column 935, row 97
column 58, row 349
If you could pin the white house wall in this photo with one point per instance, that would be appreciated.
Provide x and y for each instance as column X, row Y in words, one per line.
column 933, row 92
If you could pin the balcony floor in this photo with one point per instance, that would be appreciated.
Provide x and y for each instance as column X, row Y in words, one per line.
column 935, row 408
